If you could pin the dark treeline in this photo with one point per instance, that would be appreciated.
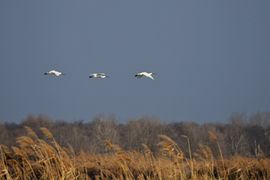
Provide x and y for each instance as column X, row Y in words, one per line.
column 241, row 135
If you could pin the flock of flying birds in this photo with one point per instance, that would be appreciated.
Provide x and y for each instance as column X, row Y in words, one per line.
column 102, row 75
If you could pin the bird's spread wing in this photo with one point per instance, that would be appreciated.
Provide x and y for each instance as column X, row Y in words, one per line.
column 51, row 72
column 103, row 74
column 148, row 75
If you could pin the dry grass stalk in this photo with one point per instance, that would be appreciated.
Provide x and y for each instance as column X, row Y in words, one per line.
column 30, row 132
column 71, row 149
column 46, row 132
column 166, row 145
column 175, row 147
column 25, row 141
column 66, row 150
column 118, row 149
column 190, row 156
column 166, row 138
column 147, row 151
column 3, row 147
column 262, row 153
column 214, row 138
column 108, row 144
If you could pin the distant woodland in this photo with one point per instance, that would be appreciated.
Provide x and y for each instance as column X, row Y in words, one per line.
column 241, row 135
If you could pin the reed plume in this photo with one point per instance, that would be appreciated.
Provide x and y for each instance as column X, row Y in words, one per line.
column 46, row 132
column 108, row 144
column 30, row 132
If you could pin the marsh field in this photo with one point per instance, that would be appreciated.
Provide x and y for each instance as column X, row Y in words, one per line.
column 156, row 152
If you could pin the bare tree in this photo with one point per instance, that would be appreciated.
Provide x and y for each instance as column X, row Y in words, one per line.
column 261, row 126
column 3, row 134
column 237, row 137
column 145, row 131
column 103, row 128
column 242, row 134
column 192, row 131
column 35, row 123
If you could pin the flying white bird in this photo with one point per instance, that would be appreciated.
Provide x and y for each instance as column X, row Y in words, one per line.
column 139, row 75
column 54, row 73
column 98, row 75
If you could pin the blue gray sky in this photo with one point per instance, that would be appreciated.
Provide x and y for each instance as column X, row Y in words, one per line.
column 211, row 59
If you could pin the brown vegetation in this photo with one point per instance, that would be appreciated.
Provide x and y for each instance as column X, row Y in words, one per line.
column 147, row 148
column 37, row 159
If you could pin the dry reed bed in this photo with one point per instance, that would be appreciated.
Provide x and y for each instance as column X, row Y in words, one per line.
column 38, row 159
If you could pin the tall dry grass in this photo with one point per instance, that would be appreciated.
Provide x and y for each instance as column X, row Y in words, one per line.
column 35, row 158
